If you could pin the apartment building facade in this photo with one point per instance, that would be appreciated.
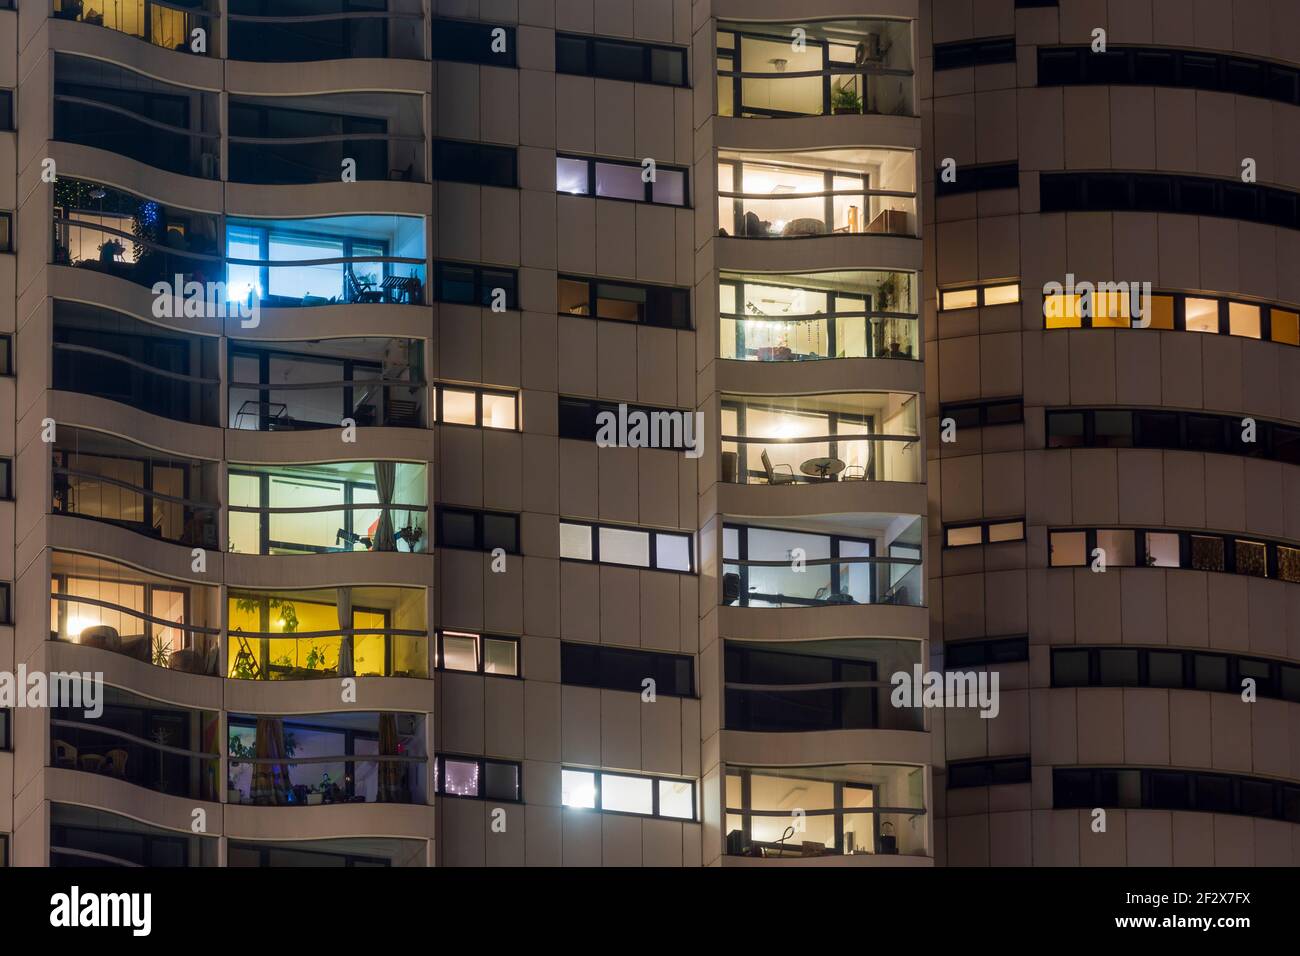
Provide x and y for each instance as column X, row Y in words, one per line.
column 489, row 433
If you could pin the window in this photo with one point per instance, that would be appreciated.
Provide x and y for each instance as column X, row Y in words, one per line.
column 986, row 652
column 620, row 668
column 658, row 305
column 478, row 653
column 984, row 414
column 635, row 547
column 6, row 603
column 1193, row 431
column 478, row 530
column 6, row 729
column 6, row 232
column 6, row 110
column 614, row 179
column 951, row 300
column 635, row 794
column 620, row 60
column 951, row 56
column 1163, row 66
column 475, row 285
column 460, row 162
column 6, row 479
column 971, row 179
column 581, row 419
column 1134, row 788
column 463, row 41
column 480, row 407
column 478, row 778
column 985, row 532
column 1161, row 192
column 1176, row 549
column 988, row 773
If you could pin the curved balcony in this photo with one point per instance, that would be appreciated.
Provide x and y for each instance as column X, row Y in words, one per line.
column 81, row 836
column 343, row 852
column 326, row 759
column 168, row 24
column 293, row 635
column 281, row 31
column 842, row 67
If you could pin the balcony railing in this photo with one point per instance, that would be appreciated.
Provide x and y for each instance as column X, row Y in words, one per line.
column 118, row 755
column 133, row 633
column 358, row 652
column 301, row 407
column 840, row 212
column 97, row 494
column 805, row 338
column 312, row 781
column 169, row 25
column 332, row 529
column 822, row 581
column 267, row 31
column 779, row 708
column 808, row 461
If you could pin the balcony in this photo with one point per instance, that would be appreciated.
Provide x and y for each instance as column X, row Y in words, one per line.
column 323, row 633
column 99, row 603
column 845, row 66
column 120, row 234
column 802, row 686
column 284, row 31
column 82, row 837
column 876, row 559
column 340, row 852
column 812, row 439
column 326, row 759
column 828, row 192
column 105, row 106
column 140, row 741
column 110, row 355
column 164, row 23
column 283, row 263
column 105, row 478
column 822, row 315
column 296, row 386
column 328, row 508
column 282, row 140
column 800, row 812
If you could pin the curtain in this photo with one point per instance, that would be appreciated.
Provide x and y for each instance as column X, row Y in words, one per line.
column 392, row 773
column 271, row 785
column 385, row 479
column 346, row 666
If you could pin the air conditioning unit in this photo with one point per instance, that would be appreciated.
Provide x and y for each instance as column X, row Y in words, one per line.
column 870, row 50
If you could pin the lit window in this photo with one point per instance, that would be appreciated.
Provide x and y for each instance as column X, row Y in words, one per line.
column 460, row 777
column 458, row 407
column 1062, row 311
column 500, row 657
column 677, row 799
column 1118, row 547
column 626, row 794
column 1069, row 549
column 960, row 299
column 1286, row 326
column 498, row 411
column 1160, row 312
column 1001, row 294
column 1202, row 315
column 578, row 789
column 477, row 777
column 1006, row 531
column 1243, row 319
column 1163, row 550
column 575, row 541
column 673, row 552
column 1110, row 310
column 962, row 537
column 571, row 176
column 460, row 652
column 620, row 546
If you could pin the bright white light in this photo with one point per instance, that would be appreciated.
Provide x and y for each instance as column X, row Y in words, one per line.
column 78, row 624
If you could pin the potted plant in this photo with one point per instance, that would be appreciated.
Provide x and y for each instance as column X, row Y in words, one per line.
column 845, row 99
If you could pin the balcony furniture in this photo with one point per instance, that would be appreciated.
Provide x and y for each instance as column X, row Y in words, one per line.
column 92, row 763
column 854, row 473
column 361, row 290
column 804, row 227
column 101, row 636
column 138, row 646
column 774, row 475
column 352, row 538
column 403, row 413
column 730, row 588
column 825, row 596
column 273, row 416
column 245, row 659
column 888, row 842
column 116, row 763
column 364, row 415
column 730, row 463
column 891, row 222
column 823, row 468
column 188, row 661
column 65, row 755
column 402, row 289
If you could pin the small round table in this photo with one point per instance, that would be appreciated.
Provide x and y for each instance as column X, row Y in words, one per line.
column 822, row 468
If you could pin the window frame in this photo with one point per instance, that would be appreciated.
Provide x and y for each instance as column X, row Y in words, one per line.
column 478, row 515
column 593, row 161
column 1273, row 686
column 466, row 29
column 1186, row 549
column 653, row 552
column 982, row 51
column 1099, row 782
column 594, row 284
column 981, row 651
column 440, row 777
column 654, row 779
column 646, row 51
column 981, row 409
column 984, row 525
column 481, row 151
column 480, row 655
column 654, row 659
column 482, row 294
column 7, row 232
column 480, row 392
column 990, row 766
column 1150, row 427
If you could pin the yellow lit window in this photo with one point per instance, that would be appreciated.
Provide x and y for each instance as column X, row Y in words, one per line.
column 1006, row 531
column 458, row 407
column 1243, row 319
column 1061, row 311
column 1110, row 310
column 1160, row 312
column 1001, row 294
column 1286, row 326
column 1202, row 315
column 498, row 411
column 963, row 537
column 960, row 299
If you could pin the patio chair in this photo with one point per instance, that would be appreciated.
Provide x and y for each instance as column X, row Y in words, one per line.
column 65, row 755
column 359, row 293
column 116, row 763
column 854, row 473
column 774, row 475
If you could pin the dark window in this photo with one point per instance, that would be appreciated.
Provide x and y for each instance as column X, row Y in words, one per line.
column 6, row 479
column 1165, row 668
column 1073, row 788
column 455, row 161
column 579, row 420
column 1000, row 411
column 6, row 109
column 6, row 603
column 985, row 773
column 617, row 668
column 475, row 285
column 467, row 42
column 620, row 60
column 658, row 305
column 1065, row 430
column 6, row 232
column 1210, row 672
column 951, row 56
column 1002, row 650
column 6, row 733
column 1168, row 791
column 478, row 530
column 971, row 179
column 1070, row 668
column 1118, row 667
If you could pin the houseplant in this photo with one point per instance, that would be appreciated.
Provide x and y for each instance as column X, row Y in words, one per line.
column 845, row 99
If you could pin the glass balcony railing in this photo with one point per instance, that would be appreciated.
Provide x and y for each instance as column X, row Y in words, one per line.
column 169, row 24
column 144, row 763
column 848, row 810
column 823, row 193
column 337, row 632
column 83, row 837
column 276, row 31
column 106, row 478
column 822, row 581
column 326, row 759
column 774, row 461
column 842, row 66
